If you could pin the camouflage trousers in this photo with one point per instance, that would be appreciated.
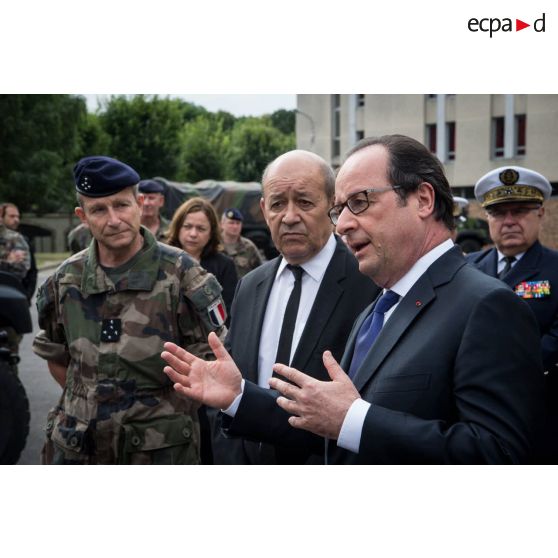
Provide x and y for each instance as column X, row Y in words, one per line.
column 150, row 430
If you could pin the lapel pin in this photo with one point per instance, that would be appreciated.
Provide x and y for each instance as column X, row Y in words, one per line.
column 418, row 303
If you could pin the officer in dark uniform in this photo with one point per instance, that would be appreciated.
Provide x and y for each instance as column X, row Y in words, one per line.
column 513, row 198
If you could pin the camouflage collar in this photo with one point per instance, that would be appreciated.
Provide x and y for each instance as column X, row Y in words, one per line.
column 141, row 277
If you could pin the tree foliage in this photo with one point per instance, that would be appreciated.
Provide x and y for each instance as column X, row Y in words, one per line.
column 253, row 144
column 204, row 146
column 284, row 121
column 39, row 144
column 43, row 136
column 145, row 132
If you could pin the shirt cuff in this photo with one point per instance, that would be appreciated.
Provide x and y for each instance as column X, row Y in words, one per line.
column 351, row 429
column 233, row 407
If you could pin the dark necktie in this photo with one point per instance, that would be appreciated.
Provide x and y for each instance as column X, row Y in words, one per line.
column 370, row 329
column 509, row 261
column 289, row 318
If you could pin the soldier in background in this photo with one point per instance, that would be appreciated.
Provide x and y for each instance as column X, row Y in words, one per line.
column 15, row 258
column 513, row 198
column 79, row 238
column 242, row 250
column 11, row 217
column 153, row 200
column 105, row 314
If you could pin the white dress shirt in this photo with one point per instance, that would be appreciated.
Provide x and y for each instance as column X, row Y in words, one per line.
column 351, row 429
column 314, row 271
column 502, row 261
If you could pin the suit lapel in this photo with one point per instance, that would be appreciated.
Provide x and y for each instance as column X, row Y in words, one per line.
column 416, row 301
column 329, row 292
column 489, row 264
column 261, row 296
column 526, row 267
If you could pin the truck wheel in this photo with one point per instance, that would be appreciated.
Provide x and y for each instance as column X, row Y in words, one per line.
column 14, row 416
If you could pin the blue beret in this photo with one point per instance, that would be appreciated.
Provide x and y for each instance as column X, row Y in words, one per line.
column 151, row 187
column 99, row 176
column 233, row 213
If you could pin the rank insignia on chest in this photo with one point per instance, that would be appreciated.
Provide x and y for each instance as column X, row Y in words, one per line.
column 111, row 330
column 217, row 314
column 533, row 289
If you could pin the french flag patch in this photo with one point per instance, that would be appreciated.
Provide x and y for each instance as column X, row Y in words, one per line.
column 217, row 313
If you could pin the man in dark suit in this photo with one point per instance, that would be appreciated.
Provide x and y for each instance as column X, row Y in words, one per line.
column 513, row 198
column 298, row 189
column 442, row 368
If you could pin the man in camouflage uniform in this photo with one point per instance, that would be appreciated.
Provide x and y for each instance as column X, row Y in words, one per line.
column 14, row 252
column 153, row 200
column 105, row 314
column 242, row 250
column 15, row 258
column 11, row 217
column 79, row 238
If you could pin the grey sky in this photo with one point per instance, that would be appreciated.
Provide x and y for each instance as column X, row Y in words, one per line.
column 239, row 105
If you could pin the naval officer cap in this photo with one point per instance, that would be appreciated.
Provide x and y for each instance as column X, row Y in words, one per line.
column 234, row 214
column 151, row 187
column 512, row 184
column 99, row 176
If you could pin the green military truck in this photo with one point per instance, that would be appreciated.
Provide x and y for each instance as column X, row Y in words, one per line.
column 223, row 194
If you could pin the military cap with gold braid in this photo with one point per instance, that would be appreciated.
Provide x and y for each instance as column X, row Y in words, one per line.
column 512, row 184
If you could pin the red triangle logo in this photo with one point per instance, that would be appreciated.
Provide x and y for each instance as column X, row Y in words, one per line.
column 519, row 25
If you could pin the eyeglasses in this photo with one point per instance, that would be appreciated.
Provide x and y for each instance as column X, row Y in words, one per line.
column 357, row 203
column 517, row 212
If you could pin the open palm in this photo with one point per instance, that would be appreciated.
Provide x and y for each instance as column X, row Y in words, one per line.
column 213, row 383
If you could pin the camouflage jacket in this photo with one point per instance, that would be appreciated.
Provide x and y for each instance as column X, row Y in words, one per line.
column 164, row 225
column 79, row 238
column 118, row 405
column 9, row 241
column 245, row 254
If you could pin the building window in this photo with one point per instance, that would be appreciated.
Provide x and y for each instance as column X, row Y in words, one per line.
column 359, row 135
column 520, row 135
column 431, row 137
column 336, row 127
column 498, row 137
column 360, row 100
column 450, row 140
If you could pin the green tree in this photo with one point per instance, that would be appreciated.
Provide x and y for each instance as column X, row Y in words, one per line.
column 145, row 132
column 253, row 144
column 203, row 150
column 284, row 120
column 39, row 144
column 93, row 139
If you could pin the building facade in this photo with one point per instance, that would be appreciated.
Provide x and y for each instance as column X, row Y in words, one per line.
column 470, row 134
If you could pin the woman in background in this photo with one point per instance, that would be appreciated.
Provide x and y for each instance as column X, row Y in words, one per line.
column 195, row 229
